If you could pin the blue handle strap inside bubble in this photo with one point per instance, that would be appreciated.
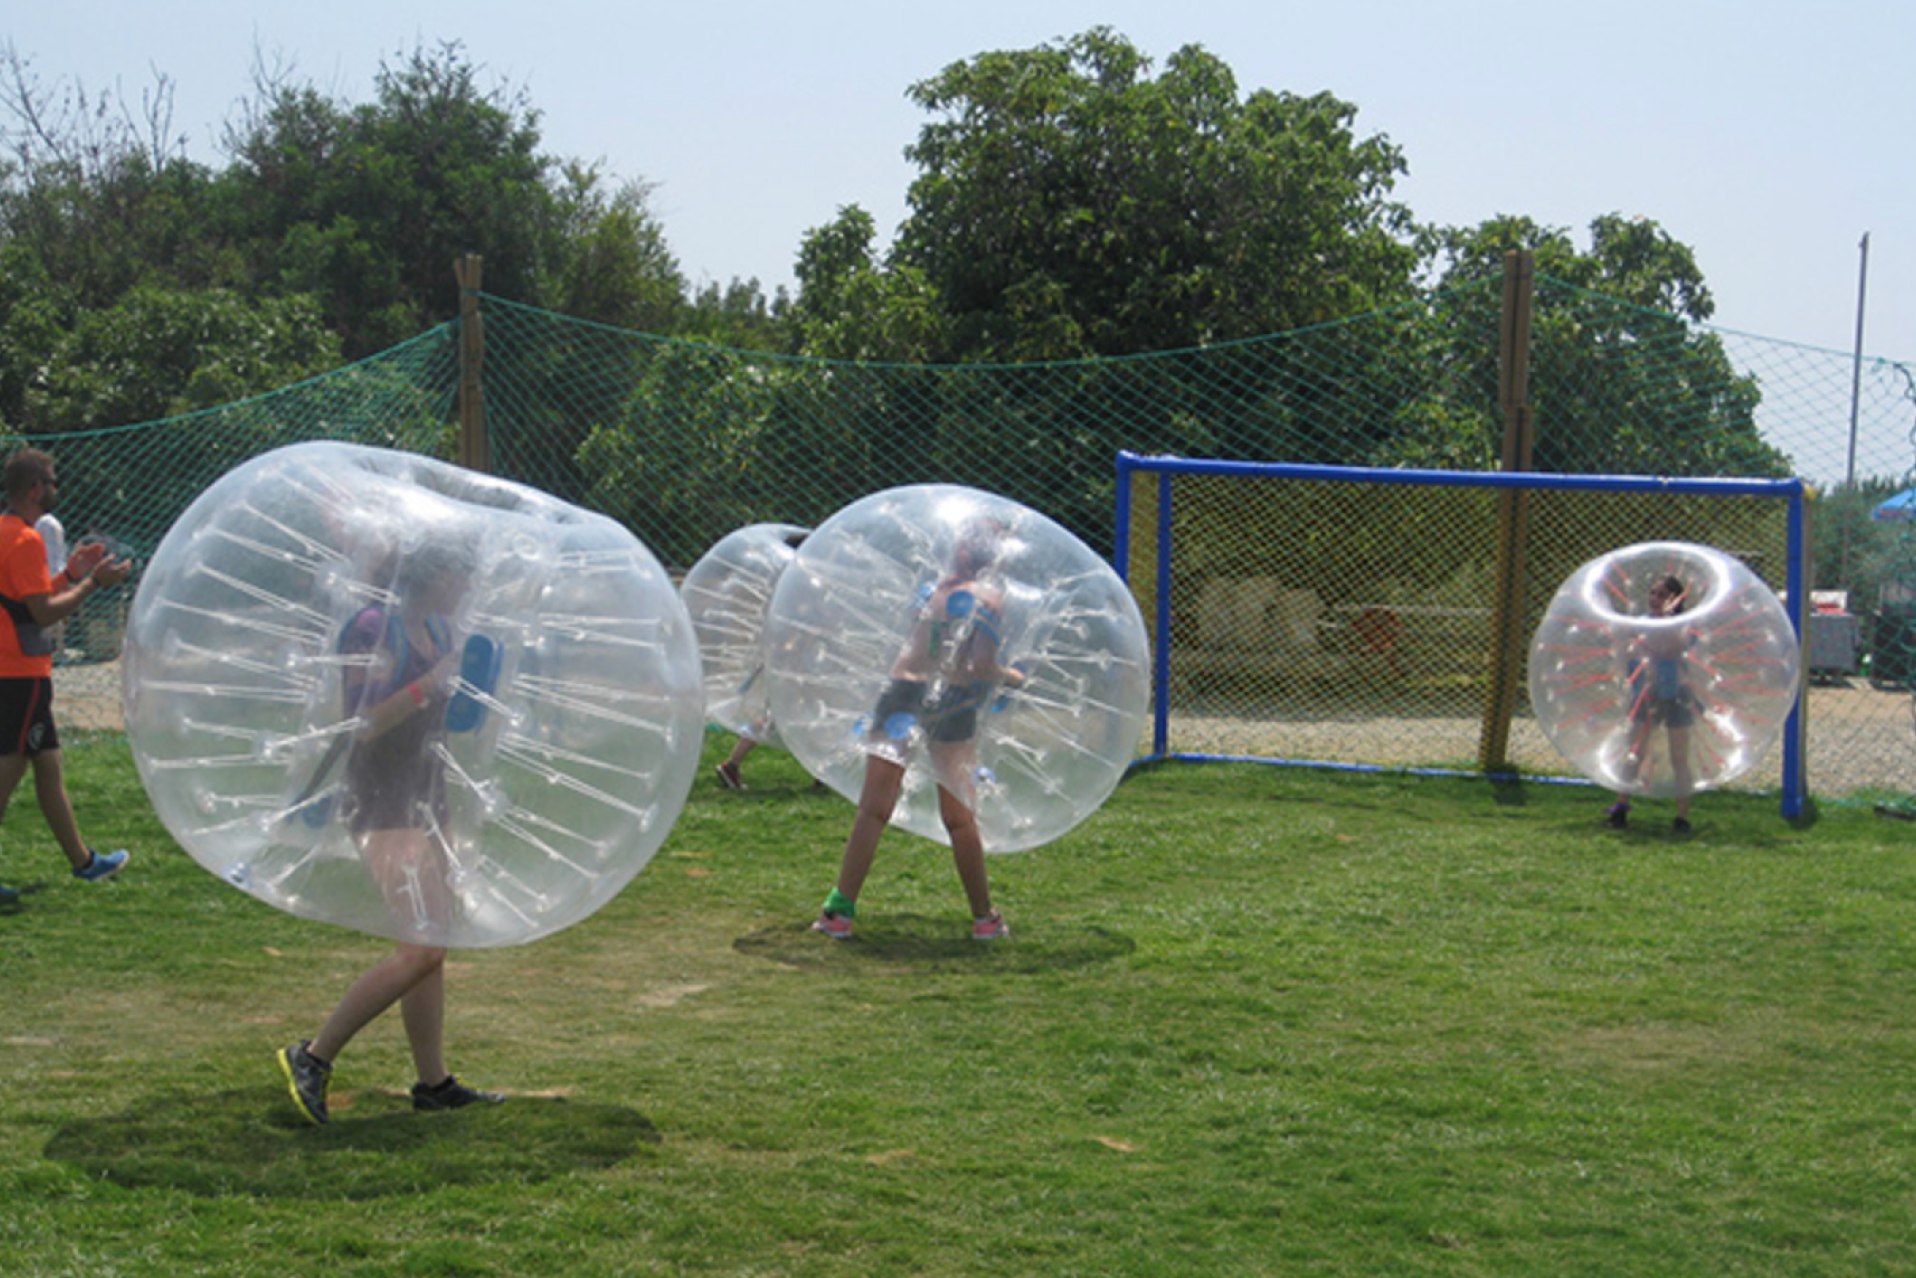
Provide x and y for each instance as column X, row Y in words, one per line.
column 478, row 676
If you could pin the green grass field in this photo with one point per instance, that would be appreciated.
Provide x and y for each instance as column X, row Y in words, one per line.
column 1252, row 1021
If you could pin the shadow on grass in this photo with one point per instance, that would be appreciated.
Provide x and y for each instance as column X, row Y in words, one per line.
column 899, row 944
column 20, row 894
column 237, row 1143
column 1507, row 790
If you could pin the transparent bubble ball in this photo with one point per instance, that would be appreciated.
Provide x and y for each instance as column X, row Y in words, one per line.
column 536, row 653
column 879, row 631
column 727, row 593
column 1661, row 705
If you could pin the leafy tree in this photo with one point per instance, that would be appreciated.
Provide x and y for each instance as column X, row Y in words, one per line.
column 33, row 313
column 611, row 263
column 738, row 315
column 367, row 208
column 110, row 250
column 1622, row 381
column 161, row 352
column 344, row 217
column 1070, row 205
column 675, row 459
column 850, row 308
column 1851, row 551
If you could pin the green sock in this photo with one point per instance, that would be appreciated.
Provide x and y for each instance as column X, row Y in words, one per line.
column 840, row 904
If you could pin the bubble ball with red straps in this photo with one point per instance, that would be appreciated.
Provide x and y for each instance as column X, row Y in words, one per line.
column 374, row 689
column 1664, row 668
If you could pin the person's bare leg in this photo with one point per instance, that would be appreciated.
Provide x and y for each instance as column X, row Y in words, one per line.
column 378, row 988
column 12, row 768
column 1680, row 770
column 401, row 861
column 877, row 799
column 967, row 851
column 50, row 787
column 423, row 1008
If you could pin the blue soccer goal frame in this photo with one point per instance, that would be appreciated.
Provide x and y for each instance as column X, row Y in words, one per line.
column 1134, row 468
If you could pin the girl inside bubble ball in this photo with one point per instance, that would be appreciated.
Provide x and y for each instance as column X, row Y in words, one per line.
column 400, row 669
column 1660, row 696
column 761, row 728
column 943, row 679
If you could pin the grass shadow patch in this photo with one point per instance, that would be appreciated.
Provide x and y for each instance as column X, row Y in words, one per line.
column 234, row 1143
column 906, row 944
column 1507, row 790
column 24, row 890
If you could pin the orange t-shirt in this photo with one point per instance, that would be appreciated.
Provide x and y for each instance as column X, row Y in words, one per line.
column 23, row 574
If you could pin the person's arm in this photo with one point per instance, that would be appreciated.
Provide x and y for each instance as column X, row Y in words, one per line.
column 911, row 661
column 425, row 694
column 989, row 636
column 54, row 537
column 88, row 569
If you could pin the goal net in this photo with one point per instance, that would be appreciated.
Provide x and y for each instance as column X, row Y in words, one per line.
column 1382, row 618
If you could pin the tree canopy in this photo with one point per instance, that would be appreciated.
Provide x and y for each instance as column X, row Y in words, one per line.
column 1072, row 201
column 1634, row 292
column 1070, row 204
column 341, row 220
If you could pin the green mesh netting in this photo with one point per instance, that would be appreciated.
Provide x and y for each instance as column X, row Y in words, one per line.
column 684, row 441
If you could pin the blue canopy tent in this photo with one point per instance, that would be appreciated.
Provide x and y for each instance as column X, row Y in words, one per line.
column 1901, row 506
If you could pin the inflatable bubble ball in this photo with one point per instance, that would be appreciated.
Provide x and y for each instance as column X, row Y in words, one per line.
column 377, row 690
column 727, row 593
column 969, row 640
column 1664, row 668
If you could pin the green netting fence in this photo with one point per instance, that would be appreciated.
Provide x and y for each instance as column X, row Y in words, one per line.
column 684, row 441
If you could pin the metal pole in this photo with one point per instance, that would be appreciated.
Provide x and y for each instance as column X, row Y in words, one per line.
column 1856, row 369
column 1855, row 398
column 1796, row 728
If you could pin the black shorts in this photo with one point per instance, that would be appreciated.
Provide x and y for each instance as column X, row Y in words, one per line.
column 396, row 782
column 1677, row 712
column 949, row 717
column 26, row 717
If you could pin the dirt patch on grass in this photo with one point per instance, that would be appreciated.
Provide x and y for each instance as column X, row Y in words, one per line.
column 1861, row 738
column 88, row 696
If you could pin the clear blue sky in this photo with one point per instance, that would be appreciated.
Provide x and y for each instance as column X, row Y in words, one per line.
column 1768, row 136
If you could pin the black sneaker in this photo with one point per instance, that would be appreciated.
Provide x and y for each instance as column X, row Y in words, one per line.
column 1617, row 816
column 1679, row 826
column 307, row 1078
column 451, row 1094
column 8, row 896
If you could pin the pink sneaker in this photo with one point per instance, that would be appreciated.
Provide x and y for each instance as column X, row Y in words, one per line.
column 991, row 927
column 836, row 926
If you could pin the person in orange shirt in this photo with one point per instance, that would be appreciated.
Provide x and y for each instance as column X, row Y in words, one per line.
column 34, row 601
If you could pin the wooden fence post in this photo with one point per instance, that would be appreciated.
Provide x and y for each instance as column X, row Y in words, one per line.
column 1513, row 513
column 475, row 452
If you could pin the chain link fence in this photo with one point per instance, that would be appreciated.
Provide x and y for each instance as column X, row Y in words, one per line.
column 684, row 442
